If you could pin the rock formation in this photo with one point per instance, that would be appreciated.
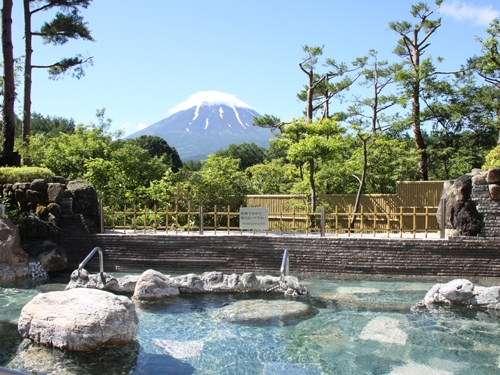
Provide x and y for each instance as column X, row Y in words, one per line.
column 112, row 359
column 85, row 203
column 461, row 212
column 463, row 292
column 78, row 319
column 49, row 254
column 13, row 259
column 83, row 279
column 153, row 285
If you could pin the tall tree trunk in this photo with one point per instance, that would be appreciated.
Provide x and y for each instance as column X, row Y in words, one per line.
column 9, row 90
column 361, row 181
column 313, row 185
column 415, row 103
column 375, row 99
column 310, row 97
column 27, row 72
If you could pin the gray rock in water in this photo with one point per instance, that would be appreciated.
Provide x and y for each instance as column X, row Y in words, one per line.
column 78, row 319
column 37, row 272
column 384, row 329
column 463, row 292
column 249, row 280
column 52, row 256
column 264, row 312
column 190, row 283
column 13, row 259
column 416, row 368
column 153, row 285
column 112, row 359
column 102, row 281
column 291, row 369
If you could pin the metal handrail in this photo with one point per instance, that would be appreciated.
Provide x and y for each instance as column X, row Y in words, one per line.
column 101, row 259
column 284, row 265
column 8, row 371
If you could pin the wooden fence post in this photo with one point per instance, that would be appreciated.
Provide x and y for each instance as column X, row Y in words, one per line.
column 201, row 219
column 322, row 222
column 101, row 216
column 443, row 218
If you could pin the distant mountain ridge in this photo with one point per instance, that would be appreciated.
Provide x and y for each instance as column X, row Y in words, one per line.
column 206, row 123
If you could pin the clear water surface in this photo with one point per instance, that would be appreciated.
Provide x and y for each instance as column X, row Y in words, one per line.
column 361, row 327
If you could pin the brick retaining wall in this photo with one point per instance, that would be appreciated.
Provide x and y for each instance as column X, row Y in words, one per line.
column 455, row 257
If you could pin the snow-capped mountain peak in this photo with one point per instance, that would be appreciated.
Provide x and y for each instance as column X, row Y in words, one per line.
column 209, row 98
column 206, row 122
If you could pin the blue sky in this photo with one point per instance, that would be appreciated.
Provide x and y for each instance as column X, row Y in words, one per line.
column 151, row 55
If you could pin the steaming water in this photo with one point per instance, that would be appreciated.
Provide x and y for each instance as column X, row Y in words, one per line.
column 361, row 327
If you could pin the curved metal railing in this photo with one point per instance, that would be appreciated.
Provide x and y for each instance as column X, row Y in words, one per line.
column 101, row 259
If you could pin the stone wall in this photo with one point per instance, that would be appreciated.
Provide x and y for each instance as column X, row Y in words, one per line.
column 486, row 195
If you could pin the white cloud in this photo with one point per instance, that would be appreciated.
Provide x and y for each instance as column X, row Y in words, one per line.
column 125, row 128
column 462, row 11
column 210, row 98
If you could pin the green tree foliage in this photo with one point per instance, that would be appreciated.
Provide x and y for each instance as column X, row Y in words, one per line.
column 51, row 125
column 66, row 154
column 158, row 147
column 310, row 144
column 219, row 182
column 272, row 176
column 492, row 159
column 487, row 65
column 321, row 88
column 193, row 165
column 370, row 112
column 248, row 153
column 121, row 177
column 465, row 127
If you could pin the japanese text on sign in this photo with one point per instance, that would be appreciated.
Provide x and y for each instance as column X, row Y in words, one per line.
column 254, row 218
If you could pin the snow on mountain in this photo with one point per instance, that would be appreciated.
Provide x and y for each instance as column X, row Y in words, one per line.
column 210, row 98
column 207, row 122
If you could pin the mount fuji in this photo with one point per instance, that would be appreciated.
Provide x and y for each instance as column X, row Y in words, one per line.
column 207, row 122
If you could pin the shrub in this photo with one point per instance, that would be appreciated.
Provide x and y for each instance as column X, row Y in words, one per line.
column 492, row 159
column 11, row 175
column 31, row 226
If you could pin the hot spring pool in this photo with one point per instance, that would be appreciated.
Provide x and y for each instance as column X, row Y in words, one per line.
column 360, row 327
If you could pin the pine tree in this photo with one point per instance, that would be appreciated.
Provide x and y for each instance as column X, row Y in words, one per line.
column 67, row 24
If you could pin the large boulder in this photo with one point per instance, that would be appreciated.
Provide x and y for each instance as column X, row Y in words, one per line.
column 49, row 254
column 55, row 192
column 153, row 285
column 112, row 359
column 102, row 281
column 463, row 292
column 78, row 319
column 461, row 211
column 85, row 202
column 13, row 259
